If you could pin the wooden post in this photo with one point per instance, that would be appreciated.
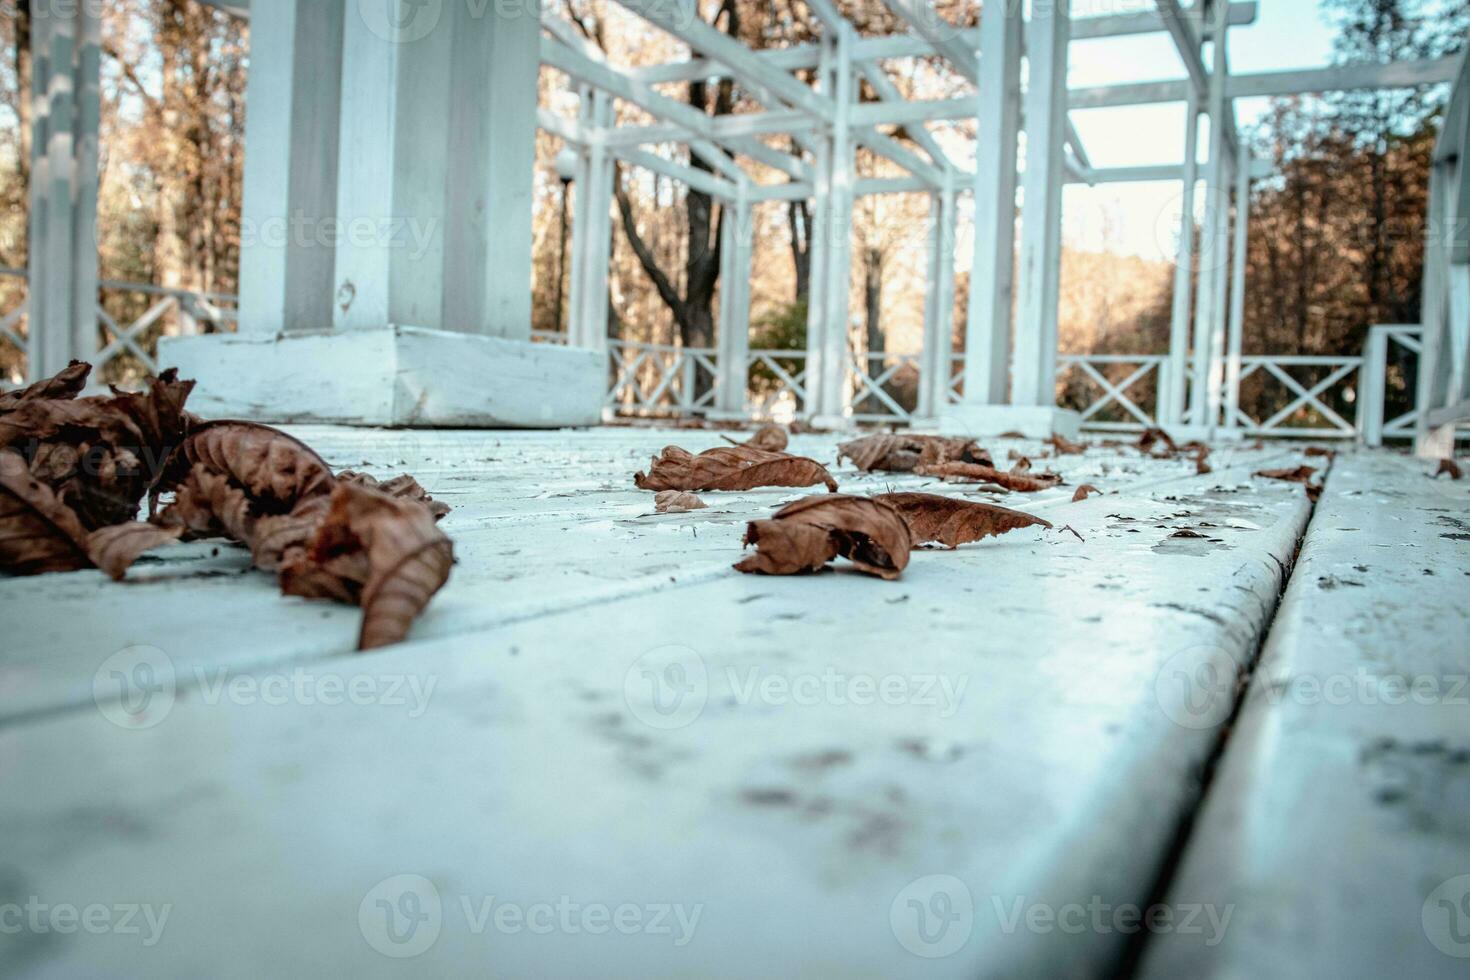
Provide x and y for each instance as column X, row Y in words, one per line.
column 62, row 286
column 1237, row 288
column 992, row 272
column 1034, row 373
column 830, row 353
column 1172, row 394
column 734, row 329
column 291, row 168
column 592, row 233
column 935, row 365
column 427, row 157
column 1215, row 242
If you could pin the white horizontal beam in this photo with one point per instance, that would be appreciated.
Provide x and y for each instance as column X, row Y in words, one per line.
column 699, row 180
column 943, row 38
column 1344, row 78
column 555, row 54
column 1186, row 42
column 680, row 19
column 870, row 49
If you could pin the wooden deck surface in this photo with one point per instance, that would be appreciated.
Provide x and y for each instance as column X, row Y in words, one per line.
column 606, row 753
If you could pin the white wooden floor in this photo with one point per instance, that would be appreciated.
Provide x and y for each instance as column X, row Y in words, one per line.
column 605, row 753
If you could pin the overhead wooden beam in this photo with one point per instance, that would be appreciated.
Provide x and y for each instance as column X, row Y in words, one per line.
column 1344, row 78
column 680, row 19
column 870, row 49
column 888, row 92
column 1186, row 42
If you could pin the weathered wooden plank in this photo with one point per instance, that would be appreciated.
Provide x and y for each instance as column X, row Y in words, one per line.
column 541, row 522
column 1338, row 829
column 992, row 718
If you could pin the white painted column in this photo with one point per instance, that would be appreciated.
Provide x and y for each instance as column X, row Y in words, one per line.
column 290, row 191
column 992, row 272
column 1172, row 394
column 592, row 232
column 62, row 248
column 830, row 354
column 736, row 237
column 1034, row 372
column 936, row 364
column 436, row 170
column 397, row 142
column 1214, row 244
column 1237, row 284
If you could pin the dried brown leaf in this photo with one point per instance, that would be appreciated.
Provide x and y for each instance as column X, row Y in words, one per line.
column 803, row 536
column 404, row 487
column 1084, row 491
column 66, row 384
column 274, row 470
column 1157, row 437
column 38, row 533
column 1066, row 447
column 951, row 522
column 1448, row 466
column 676, row 502
column 731, row 468
column 385, row 551
column 973, row 473
column 902, row 453
column 770, row 437
column 114, row 548
column 1301, row 474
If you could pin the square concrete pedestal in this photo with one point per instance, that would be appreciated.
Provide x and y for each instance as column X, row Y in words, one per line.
column 396, row 376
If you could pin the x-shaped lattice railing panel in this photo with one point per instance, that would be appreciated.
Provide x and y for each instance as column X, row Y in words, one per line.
column 10, row 321
column 795, row 383
column 1113, row 393
column 872, row 387
column 1306, row 397
column 126, row 338
column 668, row 365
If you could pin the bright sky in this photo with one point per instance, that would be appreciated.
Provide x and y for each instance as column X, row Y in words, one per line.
column 1142, row 219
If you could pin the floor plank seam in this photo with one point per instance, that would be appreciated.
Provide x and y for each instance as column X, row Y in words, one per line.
column 1133, row 954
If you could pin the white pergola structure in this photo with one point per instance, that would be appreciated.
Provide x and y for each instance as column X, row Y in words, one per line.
column 388, row 198
column 1009, row 368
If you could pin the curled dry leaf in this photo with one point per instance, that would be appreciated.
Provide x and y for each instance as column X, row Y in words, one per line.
column 386, row 551
column 1084, row 491
column 903, row 453
column 65, row 385
column 803, row 536
column 731, row 468
column 1202, row 465
column 348, row 538
column 1021, row 482
column 770, row 437
column 1320, row 451
column 1450, row 467
column 38, row 533
column 676, row 502
column 275, row 470
column 1064, row 446
column 1301, row 474
column 114, row 548
column 951, row 522
column 1157, row 437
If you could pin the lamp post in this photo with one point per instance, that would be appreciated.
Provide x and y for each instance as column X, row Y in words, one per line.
column 567, row 162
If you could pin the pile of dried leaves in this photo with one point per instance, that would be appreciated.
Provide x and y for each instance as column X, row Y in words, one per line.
column 74, row 471
column 876, row 534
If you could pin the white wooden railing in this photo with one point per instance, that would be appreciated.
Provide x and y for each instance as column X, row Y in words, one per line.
column 1139, row 409
column 174, row 311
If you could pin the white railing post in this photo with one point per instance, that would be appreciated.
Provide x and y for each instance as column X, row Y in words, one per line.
column 737, row 234
column 592, row 233
column 1214, row 244
column 992, row 271
column 1237, row 287
column 1172, row 396
column 1033, row 378
column 934, row 365
column 1373, row 387
column 830, row 349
